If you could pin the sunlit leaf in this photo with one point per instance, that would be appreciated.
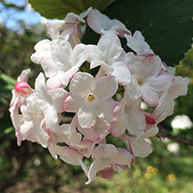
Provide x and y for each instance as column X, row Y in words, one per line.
column 59, row 8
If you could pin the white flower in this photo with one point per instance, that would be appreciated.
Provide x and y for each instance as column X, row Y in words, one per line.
column 140, row 145
column 138, row 44
column 46, row 103
column 102, row 24
column 128, row 117
column 91, row 98
column 33, row 128
column 19, row 95
column 149, row 79
column 110, row 55
column 165, row 107
column 70, row 28
column 59, row 61
column 106, row 159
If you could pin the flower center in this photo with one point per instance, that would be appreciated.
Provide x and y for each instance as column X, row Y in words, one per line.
column 90, row 97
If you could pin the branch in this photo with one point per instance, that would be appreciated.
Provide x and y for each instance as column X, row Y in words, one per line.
column 175, row 138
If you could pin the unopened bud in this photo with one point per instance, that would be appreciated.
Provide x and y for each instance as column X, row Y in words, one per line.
column 23, row 88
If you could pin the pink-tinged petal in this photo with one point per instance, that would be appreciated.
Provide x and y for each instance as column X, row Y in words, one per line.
column 41, row 136
column 72, row 104
column 53, row 149
column 67, row 33
column 56, row 28
column 137, row 43
column 98, row 21
column 73, row 18
column 32, row 128
column 106, row 87
column 124, row 157
column 150, row 96
column 118, row 168
column 151, row 132
column 58, row 97
column 105, row 151
column 15, row 101
column 164, row 109
column 141, row 148
column 49, row 66
column 133, row 89
column 69, row 155
column 118, row 127
column 106, row 173
column 61, row 52
column 101, row 24
column 16, row 118
column 35, row 101
column 94, row 54
column 119, row 108
column 135, row 121
column 134, row 64
column 161, row 82
column 42, row 49
column 65, row 77
column 54, row 82
column 85, row 147
column 96, row 165
column 80, row 79
column 96, row 133
column 79, row 55
column 24, row 76
column 152, row 66
column 121, row 73
column 53, row 137
column 104, row 110
column 24, row 131
column 51, row 119
column 40, row 87
column 86, row 117
column 111, row 49
column 179, row 87
column 68, row 134
column 84, row 14
column 84, row 144
column 118, row 28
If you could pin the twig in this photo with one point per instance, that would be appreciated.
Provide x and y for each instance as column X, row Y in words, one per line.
column 175, row 138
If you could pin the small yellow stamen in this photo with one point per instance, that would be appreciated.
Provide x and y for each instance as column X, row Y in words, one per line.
column 90, row 97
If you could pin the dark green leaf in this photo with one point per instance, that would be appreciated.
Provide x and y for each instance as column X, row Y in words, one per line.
column 59, row 8
column 166, row 25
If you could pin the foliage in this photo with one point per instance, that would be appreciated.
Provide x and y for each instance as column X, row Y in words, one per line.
column 59, row 8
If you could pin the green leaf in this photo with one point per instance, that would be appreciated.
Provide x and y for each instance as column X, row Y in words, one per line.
column 166, row 24
column 6, row 124
column 59, row 8
column 6, row 82
column 6, row 85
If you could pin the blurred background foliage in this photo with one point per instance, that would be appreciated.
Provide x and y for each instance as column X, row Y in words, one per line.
column 31, row 169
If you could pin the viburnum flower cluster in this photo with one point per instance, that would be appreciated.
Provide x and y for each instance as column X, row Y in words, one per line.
column 105, row 103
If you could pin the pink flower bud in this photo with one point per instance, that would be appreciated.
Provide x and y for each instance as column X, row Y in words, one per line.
column 23, row 88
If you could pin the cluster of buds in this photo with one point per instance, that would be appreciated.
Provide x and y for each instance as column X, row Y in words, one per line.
column 106, row 103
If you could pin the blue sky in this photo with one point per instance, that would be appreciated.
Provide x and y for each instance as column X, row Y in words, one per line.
column 10, row 16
